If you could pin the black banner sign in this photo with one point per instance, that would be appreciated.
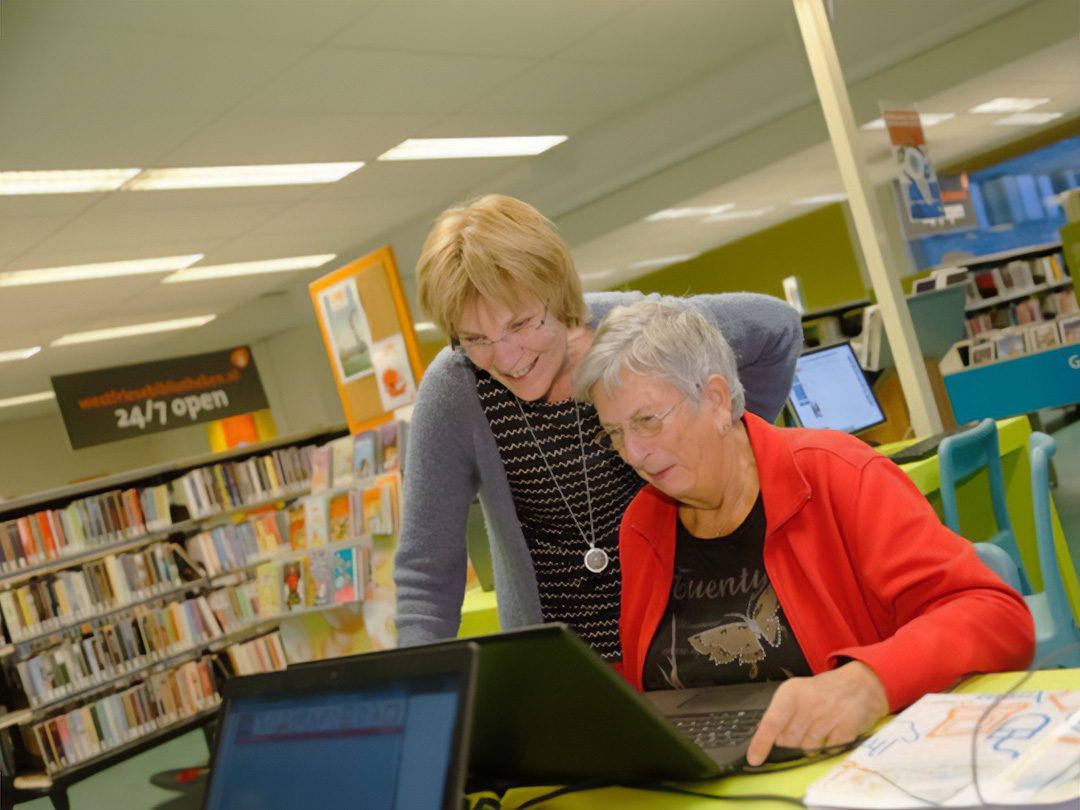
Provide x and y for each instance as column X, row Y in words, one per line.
column 110, row 404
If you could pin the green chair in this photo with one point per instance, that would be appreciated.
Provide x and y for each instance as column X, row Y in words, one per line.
column 1055, row 625
column 964, row 454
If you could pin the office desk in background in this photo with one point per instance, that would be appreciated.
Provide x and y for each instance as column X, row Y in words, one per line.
column 792, row 783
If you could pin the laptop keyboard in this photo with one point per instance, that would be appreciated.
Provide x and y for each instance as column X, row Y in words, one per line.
column 718, row 729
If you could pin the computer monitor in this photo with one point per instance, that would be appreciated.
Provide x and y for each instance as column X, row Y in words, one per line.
column 830, row 391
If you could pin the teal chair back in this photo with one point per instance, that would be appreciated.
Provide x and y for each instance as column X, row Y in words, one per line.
column 1055, row 625
column 964, row 454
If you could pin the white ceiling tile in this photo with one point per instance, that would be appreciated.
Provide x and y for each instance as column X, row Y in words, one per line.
column 522, row 28
column 382, row 83
column 599, row 89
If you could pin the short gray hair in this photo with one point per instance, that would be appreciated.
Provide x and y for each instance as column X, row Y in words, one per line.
column 662, row 337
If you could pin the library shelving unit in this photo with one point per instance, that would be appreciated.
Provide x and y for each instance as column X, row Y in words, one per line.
column 115, row 639
column 1036, row 379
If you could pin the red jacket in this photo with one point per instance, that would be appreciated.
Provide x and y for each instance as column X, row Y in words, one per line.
column 862, row 567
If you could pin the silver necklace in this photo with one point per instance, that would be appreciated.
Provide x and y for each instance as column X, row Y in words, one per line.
column 596, row 559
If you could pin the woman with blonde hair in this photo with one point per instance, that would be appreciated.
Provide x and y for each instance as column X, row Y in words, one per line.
column 494, row 416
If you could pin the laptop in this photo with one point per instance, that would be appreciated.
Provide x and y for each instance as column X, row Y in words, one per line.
column 552, row 712
column 829, row 390
column 375, row 732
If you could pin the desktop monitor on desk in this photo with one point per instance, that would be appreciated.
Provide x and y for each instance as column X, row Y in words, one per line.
column 830, row 391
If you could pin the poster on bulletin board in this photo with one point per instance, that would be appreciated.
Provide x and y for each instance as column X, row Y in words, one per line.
column 369, row 336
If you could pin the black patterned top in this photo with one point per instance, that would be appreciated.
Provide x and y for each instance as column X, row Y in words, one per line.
column 588, row 602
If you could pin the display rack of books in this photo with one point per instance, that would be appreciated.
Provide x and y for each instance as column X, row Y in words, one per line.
column 1013, row 288
column 127, row 600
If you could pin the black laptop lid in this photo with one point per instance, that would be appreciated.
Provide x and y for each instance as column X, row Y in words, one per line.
column 550, row 711
column 374, row 732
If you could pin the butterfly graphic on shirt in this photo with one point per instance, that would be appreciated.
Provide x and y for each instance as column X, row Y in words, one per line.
column 741, row 640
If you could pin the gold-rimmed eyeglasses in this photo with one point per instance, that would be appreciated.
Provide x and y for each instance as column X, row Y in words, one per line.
column 646, row 426
column 517, row 334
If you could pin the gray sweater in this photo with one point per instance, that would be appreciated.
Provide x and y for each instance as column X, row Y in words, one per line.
column 452, row 457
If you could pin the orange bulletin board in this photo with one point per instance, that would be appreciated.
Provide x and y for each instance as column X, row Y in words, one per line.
column 369, row 337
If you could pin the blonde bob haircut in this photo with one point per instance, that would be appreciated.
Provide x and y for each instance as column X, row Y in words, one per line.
column 498, row 249
column 665, row 338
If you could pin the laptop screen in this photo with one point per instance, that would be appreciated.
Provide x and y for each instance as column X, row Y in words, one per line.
column 378, row 747
column 829, row 390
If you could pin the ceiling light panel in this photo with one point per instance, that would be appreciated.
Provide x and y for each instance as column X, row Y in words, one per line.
column 689, row 212
column 926, row 119
column 250, row 268
column 727, row 216
column 82, row 272
column 18, row 354
column 64, row 182
column 1027, row 119
column 26, row 399
column 663, row 261
column 133, row 330
column 821, row 199
column 238, row 176
column 448, row 148
column 1009, row 105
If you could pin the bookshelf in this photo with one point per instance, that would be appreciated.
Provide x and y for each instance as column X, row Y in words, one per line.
column 115, row 637
column 1016, row 287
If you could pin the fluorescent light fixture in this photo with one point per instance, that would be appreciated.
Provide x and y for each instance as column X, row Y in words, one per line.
column 663, row 261
column 729, row 215
column 426, row 326
column 1028, row 119
column 26, row 399
column 235, row 176
column 597, row 274
column 926, row 119
column 129, row 331
column 688, row 212
column 18, row 354
column 444, row 148
column 821, row 199
column 81, row 272
column 1009, row 105
column 249, row 268
column 64, row 182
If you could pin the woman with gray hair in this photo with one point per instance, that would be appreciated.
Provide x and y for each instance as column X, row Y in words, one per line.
column 763, row 553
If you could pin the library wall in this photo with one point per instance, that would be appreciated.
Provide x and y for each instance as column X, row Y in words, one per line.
column 817, row 247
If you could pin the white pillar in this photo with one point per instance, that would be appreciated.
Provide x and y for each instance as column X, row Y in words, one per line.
column 869, row 226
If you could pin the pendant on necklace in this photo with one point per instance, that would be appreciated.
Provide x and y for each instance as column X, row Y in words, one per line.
column 596, row 559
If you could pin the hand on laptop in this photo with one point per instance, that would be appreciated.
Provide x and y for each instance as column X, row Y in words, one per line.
column 829, row 709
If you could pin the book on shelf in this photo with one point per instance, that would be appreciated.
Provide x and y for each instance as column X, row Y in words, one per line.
column 365, row 454
column 262, row 654
column 392, row 445
column 268, row 582
column 320, row 468
column 340, row 517
column 341, row 461
column 316, row 521
column 293, row 595
column 297, row 533
column 320, row 585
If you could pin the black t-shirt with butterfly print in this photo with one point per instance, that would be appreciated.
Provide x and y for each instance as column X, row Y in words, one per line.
column 723, row 623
